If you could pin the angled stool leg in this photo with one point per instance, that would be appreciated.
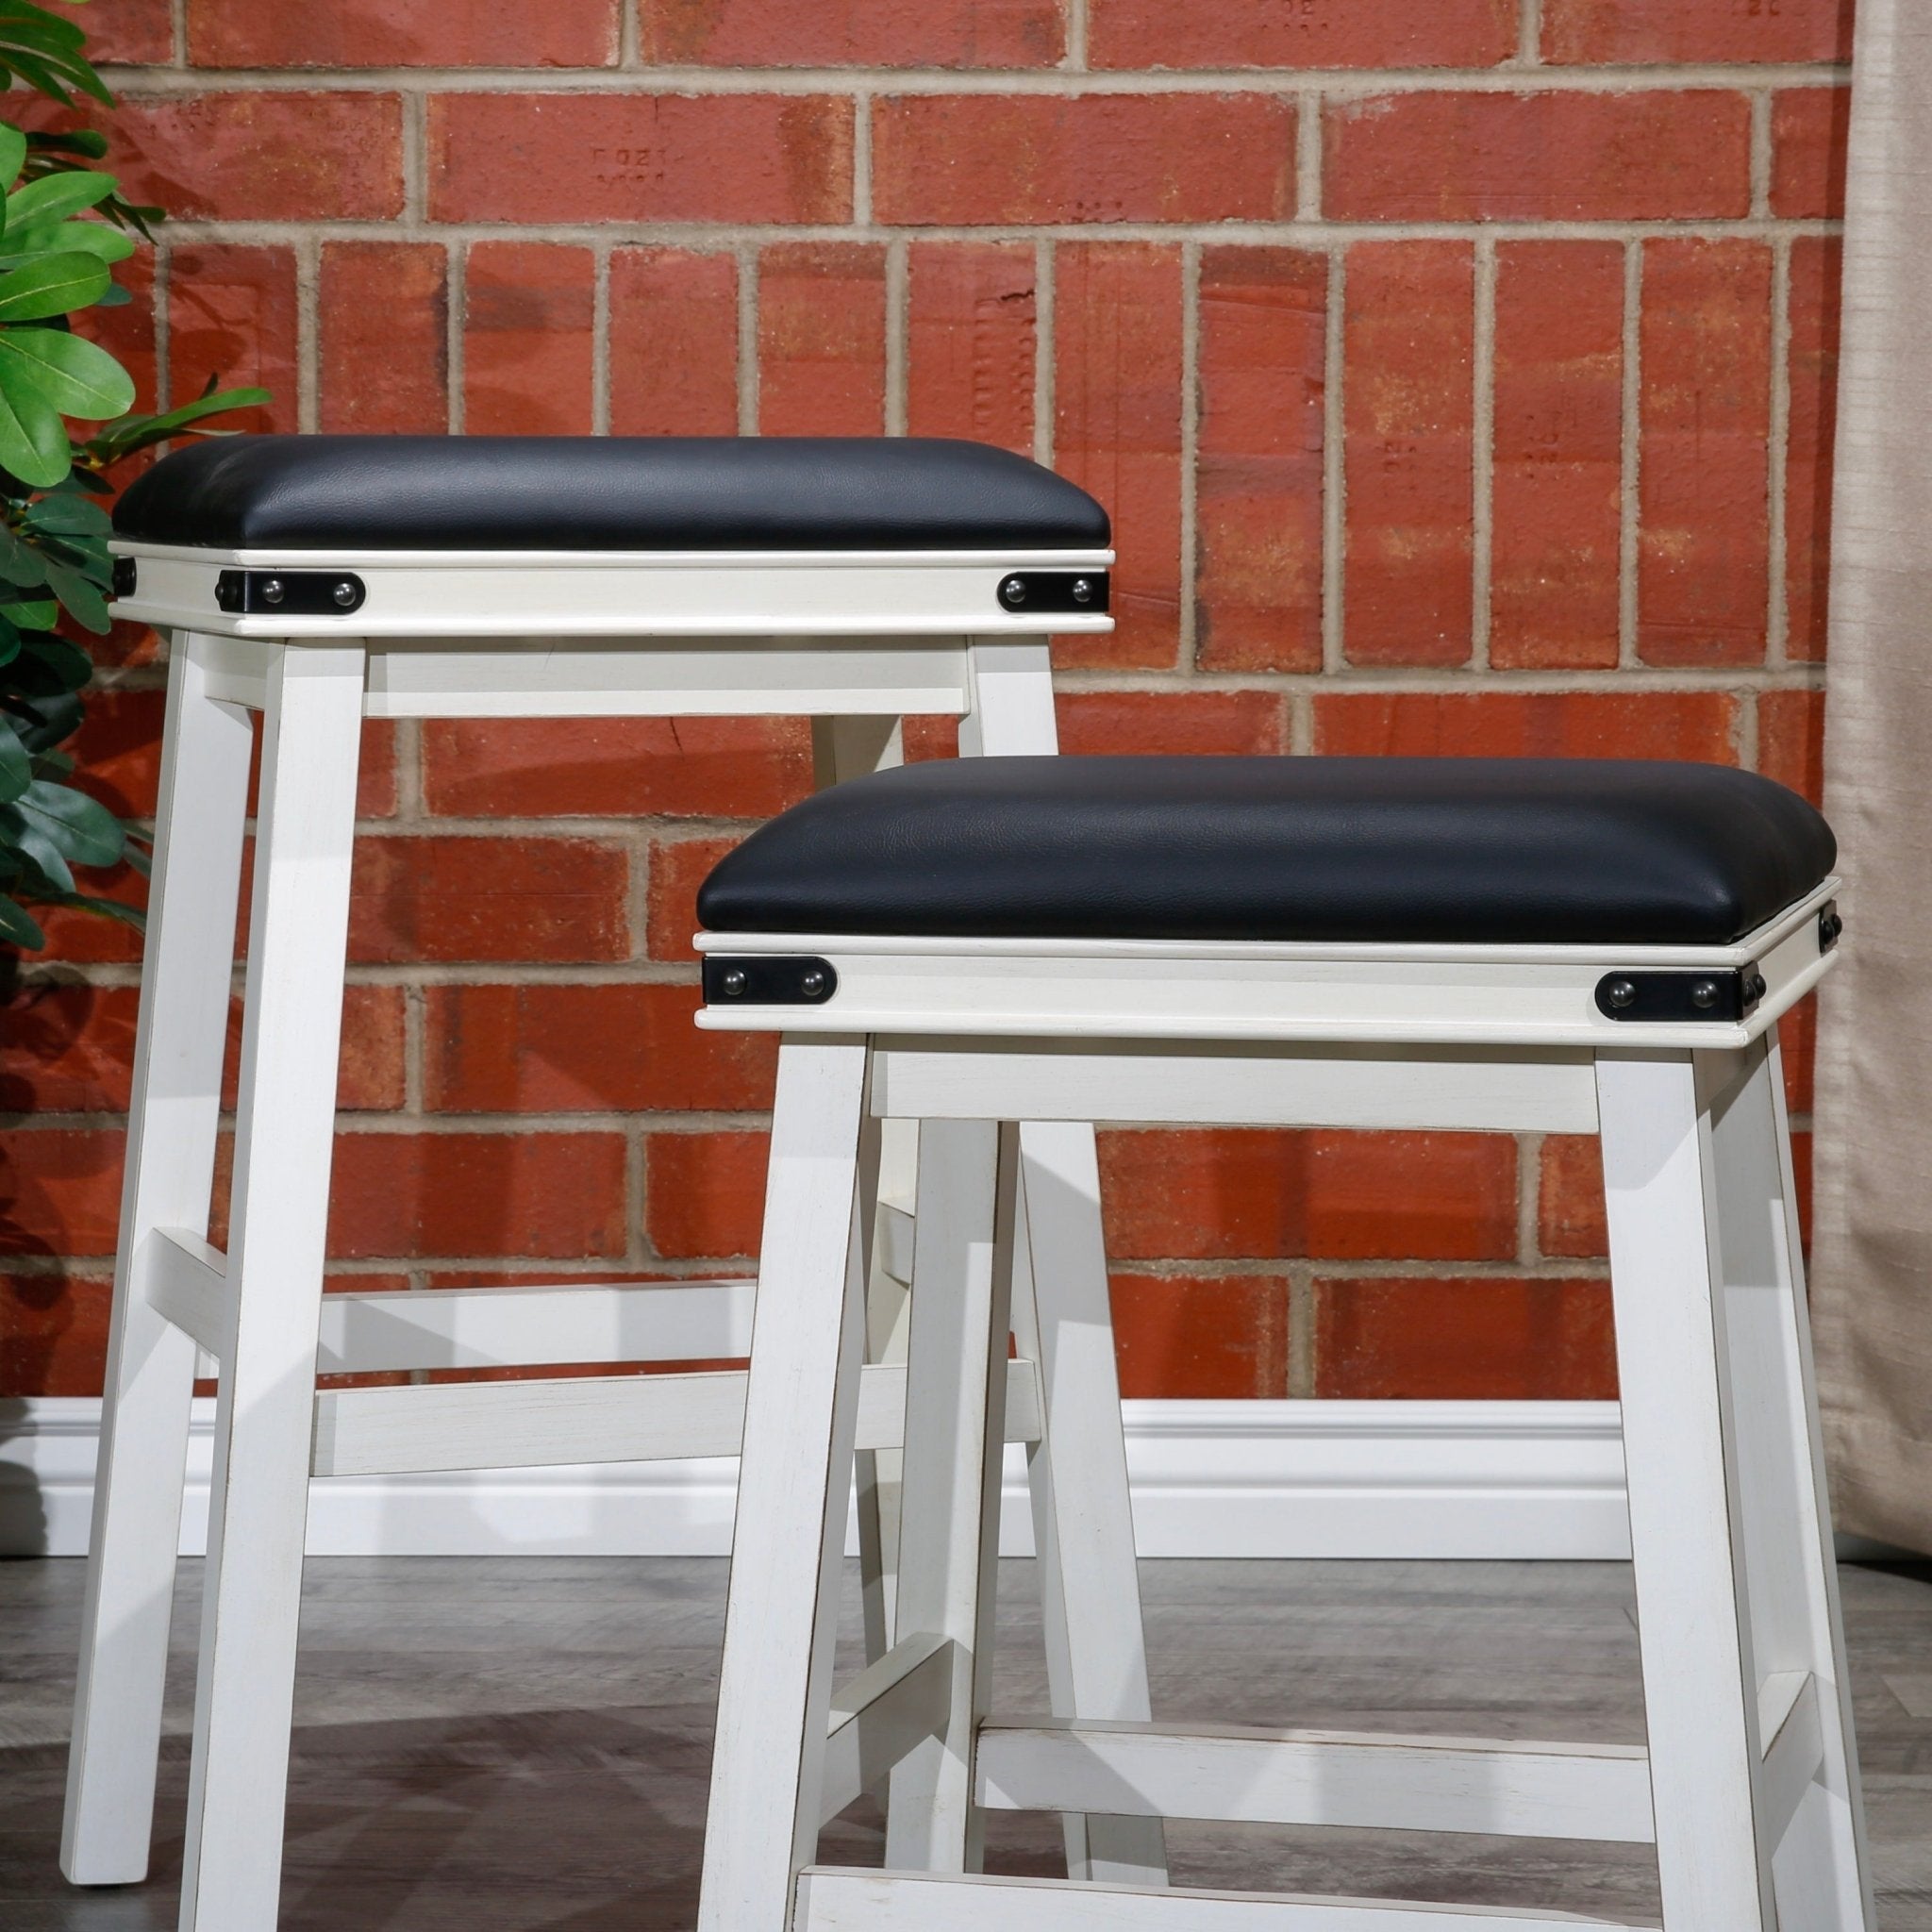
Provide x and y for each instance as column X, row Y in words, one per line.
column 1820, row 1868
column 171, row 1153
column 1701, row 1677
column 955, row 1386
column 259, row 1498
column 801, row 1413
column 1083, row 1525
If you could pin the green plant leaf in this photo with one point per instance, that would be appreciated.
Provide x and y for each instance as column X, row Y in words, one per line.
column 70, row 373
column 20, row 564
column 83, row 602
column 17, row 927
column 32, row 613
column 80, row 829
column 33, row 439
column 18, row 15
column 69, row 515
column 54, row 197
column 12, row 152
column 90, row 141
column 65, row 665
column 16, row 768
column 54, row 285
column 116, row 440
column 56, row 238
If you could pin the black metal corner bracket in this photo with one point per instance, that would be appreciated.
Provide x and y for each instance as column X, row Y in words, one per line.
column 1829, row 927
column 290, row 592
column 1725, row 993
column 769, row 979
column 1074, row 591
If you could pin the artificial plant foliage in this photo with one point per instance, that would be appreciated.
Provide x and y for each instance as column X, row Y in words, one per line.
column 63, row 226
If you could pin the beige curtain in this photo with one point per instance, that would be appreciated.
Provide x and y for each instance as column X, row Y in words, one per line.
column 1872, row 1264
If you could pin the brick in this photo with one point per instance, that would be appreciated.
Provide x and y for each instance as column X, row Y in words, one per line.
column 376, row 771
column 1807, row 150
column 1258, row 476
column 1265, row 1193
column 1558, row 454
column 678, row 868
column 1791, row 739
column 1410, row 424
column 127, row 333
column 544, row 159
column 1704, row 529
column 67, row 1047
column 1117, row 431
column 53, row 1334
column 1200, row 1337
column 1542, row 724
column 119, row 749
column 384, row 328
column 401, row 33
column 615, row 767
column 528, row 330
column 233, row 313
column 426, row 899
column 1797, row 1034
column 574, row 1049
column 976, row 159
column 853, row 33
column 86, row 937
column 1539, row 156
column 674, row 343
column 1570, row 1201
column 371, row 1077
column 130, row 33
column 1409, row 1339
column 1817, row 262
column 703, row 1193
column 253, row 155
column 404, row 1194
column 1302, row 34
column 972, row 342
column 62, row 1187
column 1171, row 722
column 1663, row 31
column 821, row 339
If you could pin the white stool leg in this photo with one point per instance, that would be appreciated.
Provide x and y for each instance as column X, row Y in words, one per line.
column 258, row 1497
column 801, row 1411
column 955, row 1386
column 1821, row 1873
column 1083, row 1525
column 1700, row 1671
column 171, row 1152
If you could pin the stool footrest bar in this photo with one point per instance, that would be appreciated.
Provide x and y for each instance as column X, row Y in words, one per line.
column 548, row 1423
column 186, row 1279
column 891, row 1706
column 1244, row 1774
column 1793, row 1748
column 836, row 1900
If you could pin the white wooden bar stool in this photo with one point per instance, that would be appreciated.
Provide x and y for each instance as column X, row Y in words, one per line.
column 1574, row 947
column 320, row 580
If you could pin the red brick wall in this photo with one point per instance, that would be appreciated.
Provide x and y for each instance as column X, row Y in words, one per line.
column 1458, row 372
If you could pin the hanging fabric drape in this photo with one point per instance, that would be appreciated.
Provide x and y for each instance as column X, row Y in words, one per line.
column 1872, row 1285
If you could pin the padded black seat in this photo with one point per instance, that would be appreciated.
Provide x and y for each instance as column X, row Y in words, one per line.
column 1475, row 851
column 605, row 492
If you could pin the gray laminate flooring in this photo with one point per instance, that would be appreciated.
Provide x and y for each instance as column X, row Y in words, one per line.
column 500, row 1745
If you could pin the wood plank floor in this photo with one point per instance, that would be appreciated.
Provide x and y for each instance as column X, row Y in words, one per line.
column 500, row 1745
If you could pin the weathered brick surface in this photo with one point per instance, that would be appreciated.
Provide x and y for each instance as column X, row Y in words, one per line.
column 1437, row 387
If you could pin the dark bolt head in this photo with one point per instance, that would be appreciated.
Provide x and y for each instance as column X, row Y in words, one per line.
column 1754, row 987
column 1704, row 994
column 733, row 982
column 272, row 591
column 1013, row 591
column 811, row 982
column 1620, row 993
column 1083, row 591
column 344, row 593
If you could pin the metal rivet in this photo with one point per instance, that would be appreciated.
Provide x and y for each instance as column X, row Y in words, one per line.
column 734, row 981
column 1083, row 591
column 1013, row 590
column 271, row 591
column 1704, row 993
column 811, row 982
column 1620, row 993
column 1756, row 987
column 344, row 593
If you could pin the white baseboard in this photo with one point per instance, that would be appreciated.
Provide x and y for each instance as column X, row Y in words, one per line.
column 1437, row 1480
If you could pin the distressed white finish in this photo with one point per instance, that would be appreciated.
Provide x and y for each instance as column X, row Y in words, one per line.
column 171, row 1152
column 428, row 593
column 892, row 1705
column 185, row 1280
column 830, row 1900
column 1247, row 1776
column 1497, row 997
column 541, row 1423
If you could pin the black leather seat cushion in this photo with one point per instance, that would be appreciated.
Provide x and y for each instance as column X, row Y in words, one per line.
column 1480, row 851
column 605, row 492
